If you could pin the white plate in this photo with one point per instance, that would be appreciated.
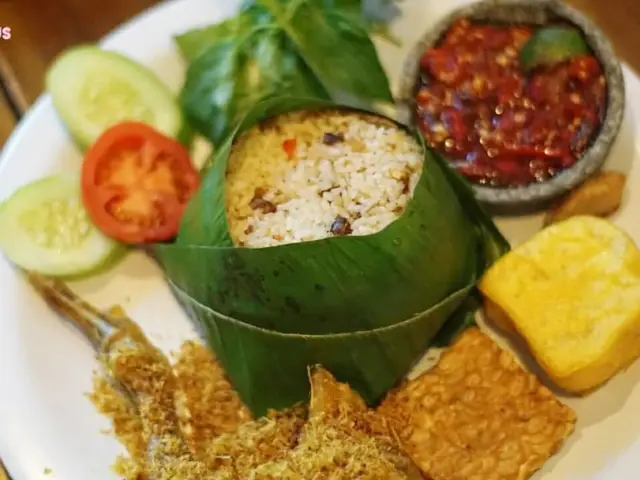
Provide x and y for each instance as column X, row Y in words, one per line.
column 45, row 366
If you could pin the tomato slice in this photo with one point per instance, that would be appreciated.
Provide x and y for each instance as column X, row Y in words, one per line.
column 136, row 183
column 289, row 147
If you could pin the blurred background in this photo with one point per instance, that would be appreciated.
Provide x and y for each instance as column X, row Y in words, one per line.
column 40, row 29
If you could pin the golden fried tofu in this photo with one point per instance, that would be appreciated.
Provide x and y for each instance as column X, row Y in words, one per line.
column 572, row 292
column 477, row 415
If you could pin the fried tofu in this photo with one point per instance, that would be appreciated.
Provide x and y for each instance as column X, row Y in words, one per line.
column 477, row 415
column 599, row 196
column 572, row 292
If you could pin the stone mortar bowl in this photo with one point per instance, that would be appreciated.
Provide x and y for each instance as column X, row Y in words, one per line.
column 532, row 12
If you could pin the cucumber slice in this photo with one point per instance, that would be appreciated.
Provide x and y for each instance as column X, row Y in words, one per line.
column 45, row 228
column 93, row 89
column 552, row 45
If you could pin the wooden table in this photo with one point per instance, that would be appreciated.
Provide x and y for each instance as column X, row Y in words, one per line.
column 39, row 33
column 43, row 28
column 40, row 29
column 7, row 122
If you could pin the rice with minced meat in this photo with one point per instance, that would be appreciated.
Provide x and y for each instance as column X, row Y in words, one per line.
column 306, row 176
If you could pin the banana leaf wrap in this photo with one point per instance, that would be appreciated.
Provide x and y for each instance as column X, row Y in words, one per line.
column 366, row 308
column 440, row 245
column 269, row 369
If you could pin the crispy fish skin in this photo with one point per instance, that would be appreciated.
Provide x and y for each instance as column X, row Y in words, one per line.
column 335, row 404
column 342, row 440
column 255, row 443
column 331, row 400
column 477, row 415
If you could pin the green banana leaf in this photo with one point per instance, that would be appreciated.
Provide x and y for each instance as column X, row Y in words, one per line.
column 269, row 369
column 441, row 244
column 275, row 46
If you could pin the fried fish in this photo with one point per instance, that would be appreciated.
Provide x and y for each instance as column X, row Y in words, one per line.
column 341, row 440
column 336, row 438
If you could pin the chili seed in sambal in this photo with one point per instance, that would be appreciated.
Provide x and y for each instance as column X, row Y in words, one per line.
column 499, row 125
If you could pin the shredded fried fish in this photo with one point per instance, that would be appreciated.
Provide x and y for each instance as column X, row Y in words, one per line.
column 126, row 425
column 341, row 440
column 211, row 405
column 266, row 439
column 214, row 440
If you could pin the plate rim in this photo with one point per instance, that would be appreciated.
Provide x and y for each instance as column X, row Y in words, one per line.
column 9, row 459
column 43, row 101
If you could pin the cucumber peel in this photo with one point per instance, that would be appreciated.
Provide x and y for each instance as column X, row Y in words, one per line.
column 552, row 45
column 44, row 228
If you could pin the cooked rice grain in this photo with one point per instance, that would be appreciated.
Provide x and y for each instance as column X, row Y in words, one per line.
column 286, row 183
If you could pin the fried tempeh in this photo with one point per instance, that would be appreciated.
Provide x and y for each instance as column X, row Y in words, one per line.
column 477, row 415
column 599, row 196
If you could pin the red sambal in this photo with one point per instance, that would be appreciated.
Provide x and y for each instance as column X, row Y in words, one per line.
column 498, row 125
